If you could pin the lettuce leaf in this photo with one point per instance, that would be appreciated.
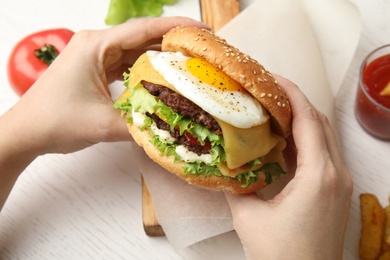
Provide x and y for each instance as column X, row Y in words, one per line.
column 247, row 178
column 121, row 10
column 142, row 101
column 139, row 101
column 187, row 124
column 272, row 172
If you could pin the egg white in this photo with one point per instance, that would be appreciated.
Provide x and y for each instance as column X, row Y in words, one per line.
column 233, row 107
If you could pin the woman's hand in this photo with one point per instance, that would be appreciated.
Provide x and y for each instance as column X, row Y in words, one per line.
column 69, row 107
column 307, row 220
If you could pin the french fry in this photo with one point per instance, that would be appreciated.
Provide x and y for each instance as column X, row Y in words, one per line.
column 386, row 231
column 373, row 220
column 384, row 256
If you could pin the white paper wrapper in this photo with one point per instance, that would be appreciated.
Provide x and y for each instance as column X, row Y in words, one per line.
column 310, row 43
column 188, row 214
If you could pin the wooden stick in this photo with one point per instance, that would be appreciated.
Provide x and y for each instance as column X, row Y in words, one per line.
column 151, row 225
column 217, row 13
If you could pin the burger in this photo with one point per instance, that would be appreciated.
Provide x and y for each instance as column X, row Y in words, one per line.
column 207, row 112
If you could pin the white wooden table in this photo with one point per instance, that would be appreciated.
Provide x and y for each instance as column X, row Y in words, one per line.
column 87, row 205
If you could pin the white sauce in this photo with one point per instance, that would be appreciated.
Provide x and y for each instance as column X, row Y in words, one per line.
column 189, row 156
column 138, row 119
column 181, row 150
column 162, row 134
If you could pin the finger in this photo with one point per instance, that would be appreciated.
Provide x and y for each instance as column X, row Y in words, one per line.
column 154, row 44
column 115, row 72
column 331, row 141
column 290, row 156
column 240, row 203
column 135, row 33
column 131, row 56
column 115, row 69
column 307, row 129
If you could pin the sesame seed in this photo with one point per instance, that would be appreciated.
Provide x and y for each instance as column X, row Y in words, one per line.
column 197, row 39
column 276, row 97
column 205, row 49
column 242, row 76
column 279, row 104
column 262, row 95
column 270, row 95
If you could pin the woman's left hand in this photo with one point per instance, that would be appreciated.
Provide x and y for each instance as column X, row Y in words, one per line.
column 70, row 107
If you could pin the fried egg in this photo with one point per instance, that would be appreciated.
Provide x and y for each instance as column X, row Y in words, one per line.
column 209, row 87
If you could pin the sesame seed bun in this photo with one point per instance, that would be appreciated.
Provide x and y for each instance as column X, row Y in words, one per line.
column 201, row 43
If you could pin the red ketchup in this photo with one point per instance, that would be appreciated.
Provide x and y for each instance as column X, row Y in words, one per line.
column 372, row 106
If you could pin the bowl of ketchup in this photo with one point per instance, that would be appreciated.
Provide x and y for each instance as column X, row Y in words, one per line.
column 372, row 106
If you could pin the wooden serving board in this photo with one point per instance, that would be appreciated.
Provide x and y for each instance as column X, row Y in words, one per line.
column 215, row 13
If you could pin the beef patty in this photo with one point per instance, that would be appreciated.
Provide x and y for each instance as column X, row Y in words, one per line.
column 186, row 108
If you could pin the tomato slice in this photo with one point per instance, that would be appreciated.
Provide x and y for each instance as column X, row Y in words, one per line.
column 190, row 139
column 24, row 67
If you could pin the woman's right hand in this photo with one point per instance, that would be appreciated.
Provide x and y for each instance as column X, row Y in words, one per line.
column 308, row 218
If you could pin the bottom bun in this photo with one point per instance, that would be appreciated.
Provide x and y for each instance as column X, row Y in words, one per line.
column 217, row 183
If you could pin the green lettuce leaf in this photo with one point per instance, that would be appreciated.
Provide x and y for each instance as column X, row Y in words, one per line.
column 247, row 178
column 142, row 101
column 272, row 172
column 139, row 101
column 120, row 11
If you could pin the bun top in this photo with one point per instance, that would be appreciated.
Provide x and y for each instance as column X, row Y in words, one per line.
column 201, row 43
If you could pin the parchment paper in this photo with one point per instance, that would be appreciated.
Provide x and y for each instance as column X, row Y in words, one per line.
column 311, row 43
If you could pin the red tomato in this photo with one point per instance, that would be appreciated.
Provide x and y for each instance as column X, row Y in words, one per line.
column 192, row 140
column 33, row 54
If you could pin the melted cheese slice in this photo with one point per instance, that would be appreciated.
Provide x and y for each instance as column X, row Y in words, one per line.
column 143, row 70
column 241, row 145
column 245, row 145
column 274, row 156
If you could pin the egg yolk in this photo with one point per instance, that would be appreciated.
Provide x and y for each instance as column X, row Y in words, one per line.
column 211, row 75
